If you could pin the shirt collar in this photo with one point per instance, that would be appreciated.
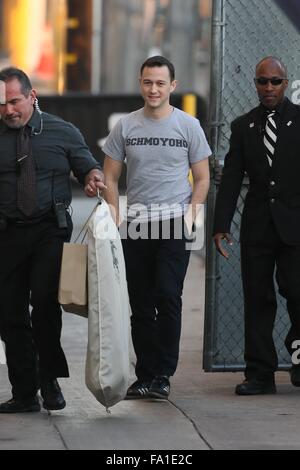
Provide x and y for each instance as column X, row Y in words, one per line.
column 34, row 123
column 3, row 127
column 279, row 108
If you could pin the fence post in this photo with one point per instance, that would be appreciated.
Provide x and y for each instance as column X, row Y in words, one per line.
column 216, row 81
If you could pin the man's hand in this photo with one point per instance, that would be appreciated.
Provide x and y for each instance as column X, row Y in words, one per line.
column 218, row 242
column 189, row 220
column 94, row 182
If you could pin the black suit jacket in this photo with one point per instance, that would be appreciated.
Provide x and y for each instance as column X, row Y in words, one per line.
column 274, row 192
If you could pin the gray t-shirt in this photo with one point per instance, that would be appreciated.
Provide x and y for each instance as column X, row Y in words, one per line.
column 158, row 154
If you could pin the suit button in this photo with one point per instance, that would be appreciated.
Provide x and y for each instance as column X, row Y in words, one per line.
column 272, row 183
column 272, row 201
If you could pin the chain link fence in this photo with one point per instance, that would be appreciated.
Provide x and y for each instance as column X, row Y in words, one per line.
column 243, row 33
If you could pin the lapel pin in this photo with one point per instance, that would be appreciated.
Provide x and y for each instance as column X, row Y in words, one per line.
column 289, row 123
column 251, row 125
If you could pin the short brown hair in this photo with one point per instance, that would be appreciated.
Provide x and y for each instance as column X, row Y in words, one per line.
column 159, row 61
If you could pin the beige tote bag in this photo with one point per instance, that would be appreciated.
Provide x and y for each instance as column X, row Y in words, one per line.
column 72, row 293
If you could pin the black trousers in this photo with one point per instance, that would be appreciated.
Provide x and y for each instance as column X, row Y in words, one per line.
column 259, row 264
column 155, row 270
column 29, row 275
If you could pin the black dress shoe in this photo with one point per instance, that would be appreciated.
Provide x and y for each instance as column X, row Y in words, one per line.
column 160, row 387
column 53, row 398
column 295, row 376
column 18, row 406
column 255, row 387
column 138, row 390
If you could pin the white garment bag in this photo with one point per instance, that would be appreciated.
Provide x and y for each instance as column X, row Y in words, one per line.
column 107, row 363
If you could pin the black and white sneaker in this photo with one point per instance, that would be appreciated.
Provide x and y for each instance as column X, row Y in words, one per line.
column 160, row 387
column 138, row 389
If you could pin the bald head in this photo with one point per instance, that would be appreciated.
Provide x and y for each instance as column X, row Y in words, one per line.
column 271, row 82
column 273, row 62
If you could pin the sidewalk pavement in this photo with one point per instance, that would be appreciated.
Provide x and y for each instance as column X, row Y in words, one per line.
column 202, row 414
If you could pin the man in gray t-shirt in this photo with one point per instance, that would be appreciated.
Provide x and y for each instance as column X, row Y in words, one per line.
column 160, row 145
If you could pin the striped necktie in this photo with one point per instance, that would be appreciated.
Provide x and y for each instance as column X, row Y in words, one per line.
column 26, row 185
column 270, row 136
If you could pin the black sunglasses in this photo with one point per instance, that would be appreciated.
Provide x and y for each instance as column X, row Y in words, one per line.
column 265, row 81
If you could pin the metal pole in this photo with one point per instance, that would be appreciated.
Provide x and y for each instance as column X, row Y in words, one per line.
column 189, row 105
column 96, row 46
column 216, row 80
column 217, row 53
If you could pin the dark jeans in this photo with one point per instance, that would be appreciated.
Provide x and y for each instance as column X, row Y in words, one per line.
column 156, row 270
column 259, row 263
column 29, row 274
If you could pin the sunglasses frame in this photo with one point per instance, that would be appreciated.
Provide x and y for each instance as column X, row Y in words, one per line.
column 276, row 81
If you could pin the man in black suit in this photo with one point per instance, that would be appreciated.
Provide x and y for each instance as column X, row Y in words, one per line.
column 265, row 143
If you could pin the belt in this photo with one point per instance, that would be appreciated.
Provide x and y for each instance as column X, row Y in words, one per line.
column 27, row 222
